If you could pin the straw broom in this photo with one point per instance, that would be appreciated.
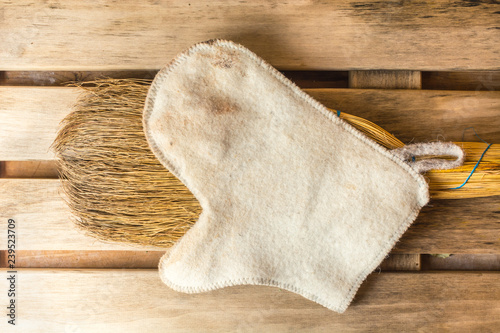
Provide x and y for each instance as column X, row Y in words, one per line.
column 117, row 190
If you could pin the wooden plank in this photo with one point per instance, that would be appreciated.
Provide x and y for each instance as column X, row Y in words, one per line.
column 437, row 80
column 421, row 115
column 146, row 259
column 385, row 79
column 30, row 115
column 30, row 119
column 340, row 35
column 43, row 220
column 444, row 226
column 136, row 300
column 454, row 226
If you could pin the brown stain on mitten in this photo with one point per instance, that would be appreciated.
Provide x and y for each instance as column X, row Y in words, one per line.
column 218, row 105
column 223, row 62
column 223, row 59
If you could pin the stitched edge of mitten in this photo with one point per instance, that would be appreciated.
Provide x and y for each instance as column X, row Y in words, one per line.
column 423, row 186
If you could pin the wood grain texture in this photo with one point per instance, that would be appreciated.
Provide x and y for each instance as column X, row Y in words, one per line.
column 385, row 79
column 32, row 115
column 421, row 115
column 43, row 220
column 44, row 223
column 136, row 300
column 454, row 226
column 30, row 119
column 340, row 35
column 29, row 169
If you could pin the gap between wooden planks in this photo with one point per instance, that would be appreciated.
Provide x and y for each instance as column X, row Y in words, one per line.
column 147, row 259
column 150, row 259
column 126, row 300
column 437, row 80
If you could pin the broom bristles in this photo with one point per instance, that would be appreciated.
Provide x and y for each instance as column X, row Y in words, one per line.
column 117, row 190
column 115, row 187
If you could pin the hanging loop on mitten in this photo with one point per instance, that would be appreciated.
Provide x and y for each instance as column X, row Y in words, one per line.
column 409, row 153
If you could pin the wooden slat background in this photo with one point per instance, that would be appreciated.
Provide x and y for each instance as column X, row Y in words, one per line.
column 314, row 35
column 135, row 300
column 30, row 117
column 423, row 70
column 40, row 208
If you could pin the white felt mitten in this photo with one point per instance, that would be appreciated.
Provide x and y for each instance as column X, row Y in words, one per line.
column 292, row 196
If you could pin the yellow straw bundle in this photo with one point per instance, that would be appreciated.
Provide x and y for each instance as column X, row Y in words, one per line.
column 118, row 190
column 485, row 180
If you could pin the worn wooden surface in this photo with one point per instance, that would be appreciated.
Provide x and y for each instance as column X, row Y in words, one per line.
column 440, row 227
column 136, row 300
column 30, row 118
column 39, row 208
column 423, row 70
column 421, row 115
column 339, row 35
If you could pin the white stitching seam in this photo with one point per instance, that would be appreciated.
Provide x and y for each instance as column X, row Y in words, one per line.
column 424, row 194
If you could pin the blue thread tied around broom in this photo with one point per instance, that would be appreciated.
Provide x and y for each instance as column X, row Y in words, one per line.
column 479, row 161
